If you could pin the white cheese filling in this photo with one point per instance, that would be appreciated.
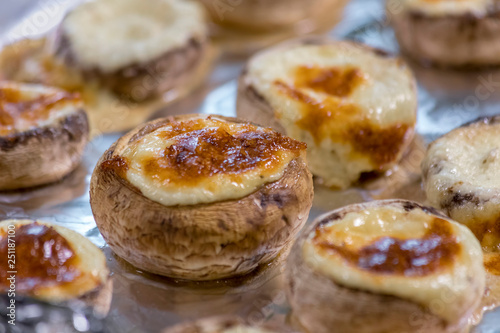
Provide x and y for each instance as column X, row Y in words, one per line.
column 112, row 34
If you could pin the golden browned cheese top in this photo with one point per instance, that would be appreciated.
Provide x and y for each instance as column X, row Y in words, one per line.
column 15, row 106
column 338, row 118
column 198, row 151
column 42, row 258
column 390, row 255
column 335, row 81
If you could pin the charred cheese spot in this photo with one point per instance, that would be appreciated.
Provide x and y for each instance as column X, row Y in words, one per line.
column 21, row 109
column 335, row 81
column 318, row 116
column 381, row 144
column 345, row 122
column 117, row 164
column 208, row 152
column 390, row 250
column 391, row 255
column 42, row 258
column 205, row 160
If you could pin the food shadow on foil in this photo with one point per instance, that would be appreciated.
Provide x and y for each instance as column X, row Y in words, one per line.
column 258, row 296
column 70, row 187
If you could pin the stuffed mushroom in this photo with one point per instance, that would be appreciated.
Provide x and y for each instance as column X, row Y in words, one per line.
column 385, row 266
column 43, row 132
column 448, row 32
column 139, row 50
column 52, row 263
column 461, row 172
column 201, row 198
column 354, row 106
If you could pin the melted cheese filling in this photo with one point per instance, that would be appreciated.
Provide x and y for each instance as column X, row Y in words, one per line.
column 354, row 109
column 25, row 107
column 449, row 7
column 207, row 160
column 112, row 34
column 84, row 270
column 411, row 255
column 471, row 155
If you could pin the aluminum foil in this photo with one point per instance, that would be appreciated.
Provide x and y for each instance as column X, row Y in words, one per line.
column 147, row 303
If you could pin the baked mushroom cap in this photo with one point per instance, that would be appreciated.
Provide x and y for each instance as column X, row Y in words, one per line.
column 264, row 15
column 354, row 106
column 201, row 198
column 43, row 132
column 138, row 49
column 385, row 266
column 52, row 263
column 447, row 32
column 461, row 172
column 226, row 324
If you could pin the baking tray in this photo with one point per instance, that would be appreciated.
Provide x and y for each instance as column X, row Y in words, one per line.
column 147, row 303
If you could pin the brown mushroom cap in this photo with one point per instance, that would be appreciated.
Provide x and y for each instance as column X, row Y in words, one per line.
column 454, row 39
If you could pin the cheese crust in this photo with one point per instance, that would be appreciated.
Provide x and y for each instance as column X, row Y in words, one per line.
column 462, row 176
column 130, row 32
column 355, row 108
column 206, row 160
column 85, row 272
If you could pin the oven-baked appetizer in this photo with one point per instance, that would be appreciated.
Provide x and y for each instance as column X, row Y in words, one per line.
column 265, row 15
column 385, row 266
column 461, row 172
column 52, row 263
column 201, row 198
column 43, row 132
column 226, row 324
column 139, row 49
column 354, row 106
column 448, row 32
